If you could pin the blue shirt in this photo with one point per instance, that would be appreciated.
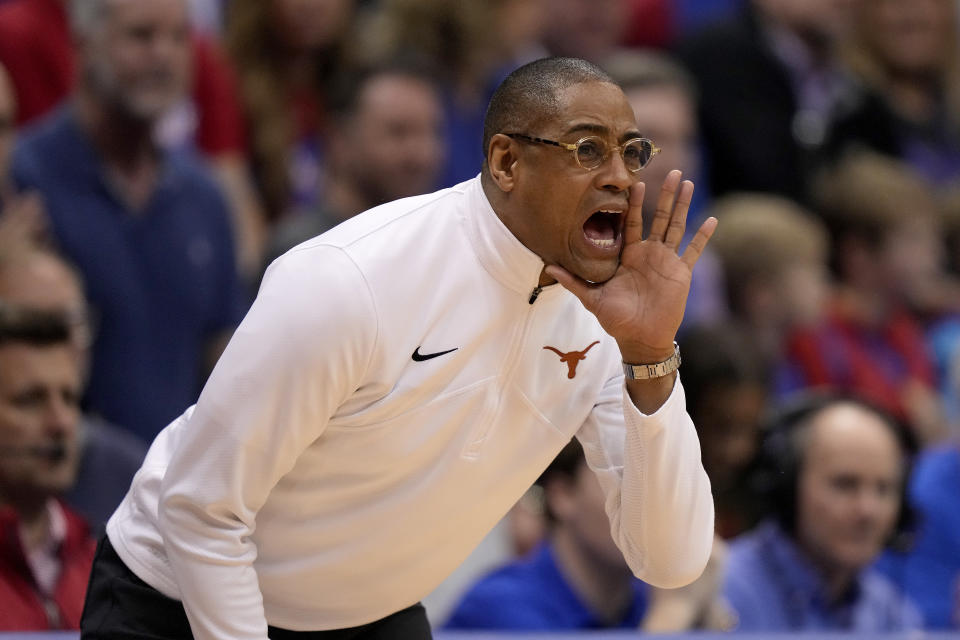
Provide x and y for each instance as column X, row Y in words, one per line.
column 532, row 594
column 773, row 587
column 930, row 571
column 161, row 281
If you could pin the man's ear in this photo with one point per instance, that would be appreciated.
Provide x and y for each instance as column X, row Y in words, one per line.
column 502, row 162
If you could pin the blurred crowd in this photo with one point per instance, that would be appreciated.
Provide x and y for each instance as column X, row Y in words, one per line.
column 157, row 155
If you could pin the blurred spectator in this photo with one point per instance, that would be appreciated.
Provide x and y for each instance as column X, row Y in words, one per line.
column 888, row 260
column 726, row 383
column 664, row 100
column 908, row 51
column 37, row 47
column 930, row 570
column 774, row 257
column 147, row 228
column 21, row 215
column 40, row 280
column 520, row 26
column 384, row 144
column 834, row 474
column 287, row 52
column 578, row 578
column 588, row 29
column 45, row 548
column 771, row 83
column 461, row 40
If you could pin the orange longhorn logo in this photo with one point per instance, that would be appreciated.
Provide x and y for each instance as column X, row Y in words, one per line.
column 573, row 358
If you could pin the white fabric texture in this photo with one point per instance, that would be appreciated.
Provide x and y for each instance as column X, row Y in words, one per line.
column 326, row 479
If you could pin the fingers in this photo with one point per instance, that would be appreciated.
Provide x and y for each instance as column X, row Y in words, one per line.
column 586, row 293
column 661, row 220
column 670, row 220
column 633, row 228
column 678, row 220
column 696, row 246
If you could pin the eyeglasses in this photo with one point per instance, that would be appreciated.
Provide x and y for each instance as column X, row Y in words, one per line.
column 593, row 151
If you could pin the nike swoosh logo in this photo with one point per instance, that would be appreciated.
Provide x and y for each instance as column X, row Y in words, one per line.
column 420, row 357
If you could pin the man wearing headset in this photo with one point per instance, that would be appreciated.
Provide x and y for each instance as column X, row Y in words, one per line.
column 834, row 473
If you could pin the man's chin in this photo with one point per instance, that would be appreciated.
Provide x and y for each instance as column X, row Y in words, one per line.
column 597, row 272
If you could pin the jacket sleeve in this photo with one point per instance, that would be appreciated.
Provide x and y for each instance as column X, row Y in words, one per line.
column 301, row 350
column 657, row 493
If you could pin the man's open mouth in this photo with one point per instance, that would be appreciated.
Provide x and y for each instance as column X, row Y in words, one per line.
column 603, row 228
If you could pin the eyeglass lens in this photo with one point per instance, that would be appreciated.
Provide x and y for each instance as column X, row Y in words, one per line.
column 591, row 152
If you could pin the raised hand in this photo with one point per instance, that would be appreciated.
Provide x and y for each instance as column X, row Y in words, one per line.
column 642, row 305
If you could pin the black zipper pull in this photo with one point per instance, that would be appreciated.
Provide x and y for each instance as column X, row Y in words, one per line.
column 533, row 296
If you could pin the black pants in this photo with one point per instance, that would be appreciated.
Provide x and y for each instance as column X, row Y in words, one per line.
column 121, row 605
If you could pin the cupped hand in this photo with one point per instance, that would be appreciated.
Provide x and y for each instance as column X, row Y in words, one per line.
column 642, row 305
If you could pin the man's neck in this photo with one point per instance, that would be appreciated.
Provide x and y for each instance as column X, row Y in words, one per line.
column 837, row 581
column 125, row 145
column 606, row 590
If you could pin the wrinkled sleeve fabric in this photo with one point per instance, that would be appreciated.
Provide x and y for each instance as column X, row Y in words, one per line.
column 657, row 493
column 301, row 350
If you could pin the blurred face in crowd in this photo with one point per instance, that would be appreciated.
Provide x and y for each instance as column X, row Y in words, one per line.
column 802, row 290
column 393, row 145
column 588, row 29
column 7, row 129
column 666, row 115
column 138, row 58
column 520, row 24
column 305, row 25
column 39, row 395
column 577, row 503
column 910, row 36
column 848, row 489
column 912, row 255
column 568, row 215
column 728, row 423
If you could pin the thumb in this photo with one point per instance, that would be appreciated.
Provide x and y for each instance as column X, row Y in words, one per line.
column 585, row 292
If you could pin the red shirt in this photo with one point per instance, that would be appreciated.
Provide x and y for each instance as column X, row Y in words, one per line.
column 36, row 48
column 22, row 607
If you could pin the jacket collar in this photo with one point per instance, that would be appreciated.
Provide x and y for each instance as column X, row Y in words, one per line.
column 499, row 251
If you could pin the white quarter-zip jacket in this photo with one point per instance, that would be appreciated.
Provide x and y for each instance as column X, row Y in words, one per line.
column 390, row 394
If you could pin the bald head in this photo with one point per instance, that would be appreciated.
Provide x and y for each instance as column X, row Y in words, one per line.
column 530, row 94
column 849, row 486
column 40, row 280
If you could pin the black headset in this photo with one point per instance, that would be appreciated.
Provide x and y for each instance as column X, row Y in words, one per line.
column 777, row 471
